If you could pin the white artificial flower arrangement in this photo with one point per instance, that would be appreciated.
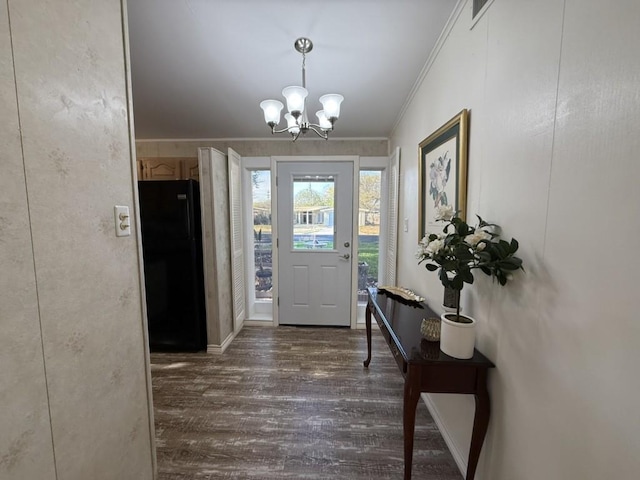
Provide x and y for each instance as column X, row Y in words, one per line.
column 459, row 249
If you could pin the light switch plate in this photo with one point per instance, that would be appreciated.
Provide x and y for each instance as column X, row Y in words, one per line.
column 122, row 221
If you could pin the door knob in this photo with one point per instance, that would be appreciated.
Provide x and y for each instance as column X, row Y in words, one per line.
column 346, row 256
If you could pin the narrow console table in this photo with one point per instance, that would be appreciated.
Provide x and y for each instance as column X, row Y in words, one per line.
column 426, row 369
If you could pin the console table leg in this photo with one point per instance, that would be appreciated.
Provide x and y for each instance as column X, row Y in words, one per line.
column 411, row 396
column 480, row 424
column 367, row 323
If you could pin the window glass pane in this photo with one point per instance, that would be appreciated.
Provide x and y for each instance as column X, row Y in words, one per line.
column 261, row 196
column 313, row 212
column 368, row 231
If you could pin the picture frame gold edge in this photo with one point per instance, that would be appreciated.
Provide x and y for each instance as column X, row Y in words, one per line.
column 463, row 114
column 461, row 117
column 464, row 159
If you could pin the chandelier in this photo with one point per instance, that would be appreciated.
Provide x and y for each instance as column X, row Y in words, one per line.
column 297, row 120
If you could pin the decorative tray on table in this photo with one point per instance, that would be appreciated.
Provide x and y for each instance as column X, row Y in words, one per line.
column 401, row 292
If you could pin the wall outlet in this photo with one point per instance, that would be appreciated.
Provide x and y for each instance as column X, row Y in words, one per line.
column 122, row 221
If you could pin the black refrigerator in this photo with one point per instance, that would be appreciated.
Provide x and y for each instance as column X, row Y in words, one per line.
column 173, row 271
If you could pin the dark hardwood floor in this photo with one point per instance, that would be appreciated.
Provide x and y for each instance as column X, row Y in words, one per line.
column 289, row 403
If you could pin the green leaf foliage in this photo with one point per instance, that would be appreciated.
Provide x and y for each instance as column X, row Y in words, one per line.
column 514, row 246
column 463, row 248
column 457, row 283
column 467, row 276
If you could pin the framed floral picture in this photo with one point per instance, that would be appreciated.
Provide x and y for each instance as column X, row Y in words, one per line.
column 442, row 172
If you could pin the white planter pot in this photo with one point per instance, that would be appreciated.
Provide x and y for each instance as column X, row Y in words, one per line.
column 457, row 339
column 449, row 309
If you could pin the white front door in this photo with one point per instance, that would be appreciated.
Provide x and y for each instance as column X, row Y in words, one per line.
column 315, row 224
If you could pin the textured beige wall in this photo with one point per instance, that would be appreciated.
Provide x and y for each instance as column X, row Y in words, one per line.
column 553, row 91
column 75, row 154
column 264, row 148
column 25, row 442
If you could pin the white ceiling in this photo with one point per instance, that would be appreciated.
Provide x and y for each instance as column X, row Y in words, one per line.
column 201, row 67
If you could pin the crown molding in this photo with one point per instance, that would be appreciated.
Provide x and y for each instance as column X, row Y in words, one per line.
column 453, row 18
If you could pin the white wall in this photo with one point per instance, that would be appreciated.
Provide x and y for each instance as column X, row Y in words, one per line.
column 554, row 92
column 74, row 389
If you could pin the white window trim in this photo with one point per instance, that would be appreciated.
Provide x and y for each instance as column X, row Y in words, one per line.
column 381, row 164
column 259, row 312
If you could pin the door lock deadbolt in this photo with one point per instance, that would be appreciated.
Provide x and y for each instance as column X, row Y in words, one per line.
column 347, row 244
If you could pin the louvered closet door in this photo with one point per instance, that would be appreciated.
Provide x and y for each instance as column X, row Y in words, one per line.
column 237, row 242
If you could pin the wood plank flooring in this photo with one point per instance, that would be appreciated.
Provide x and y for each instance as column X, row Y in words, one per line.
column 289, row 403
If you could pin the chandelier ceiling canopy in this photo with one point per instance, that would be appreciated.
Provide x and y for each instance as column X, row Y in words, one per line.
column 295, row 96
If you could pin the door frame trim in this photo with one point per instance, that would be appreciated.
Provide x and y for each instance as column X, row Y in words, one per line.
column 355, row 161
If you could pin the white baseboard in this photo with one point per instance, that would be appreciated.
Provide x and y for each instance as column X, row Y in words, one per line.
column 258, row 323
column 374, row 325
column 219, row 349
column 453, row 448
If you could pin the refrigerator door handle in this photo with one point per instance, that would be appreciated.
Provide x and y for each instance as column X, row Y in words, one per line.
column 183, row 198
column 190, row 233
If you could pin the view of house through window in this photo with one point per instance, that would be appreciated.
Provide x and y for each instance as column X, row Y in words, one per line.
column 368, row 231
column 313, row 225
column 263, row 248
column 313, row 212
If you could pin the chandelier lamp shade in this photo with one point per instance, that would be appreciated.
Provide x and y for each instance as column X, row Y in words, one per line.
column 295, row 96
